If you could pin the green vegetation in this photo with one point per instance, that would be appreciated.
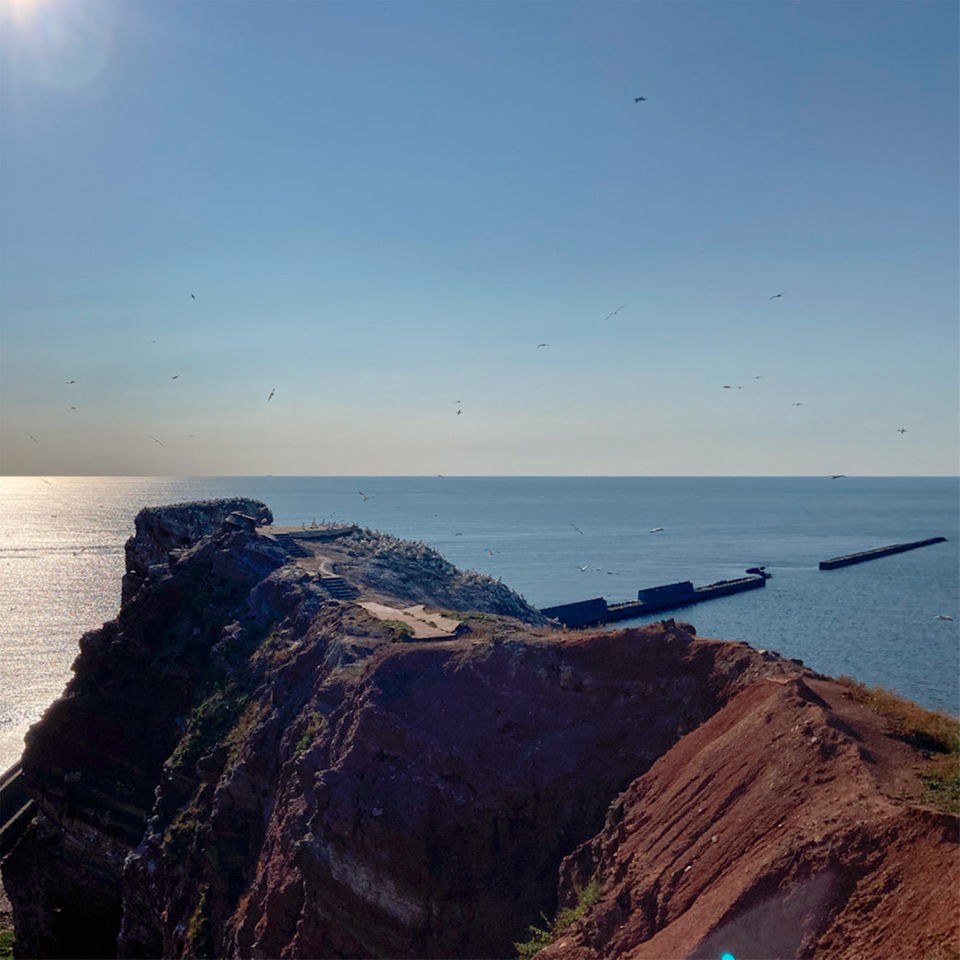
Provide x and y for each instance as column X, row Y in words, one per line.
column 540, row 937
column 209, row 722
column 936, row 733
column 404, row 629
column 199, row 930
column 942, row 781
column 314, row 726
column 6, row 943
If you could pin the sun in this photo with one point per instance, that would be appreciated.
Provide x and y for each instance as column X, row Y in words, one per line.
column 21, row 11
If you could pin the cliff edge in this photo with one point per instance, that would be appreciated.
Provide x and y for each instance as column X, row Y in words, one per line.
column 249, row 762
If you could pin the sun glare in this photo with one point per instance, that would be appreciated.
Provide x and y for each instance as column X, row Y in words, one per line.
column 22, row 11
column 59, row 43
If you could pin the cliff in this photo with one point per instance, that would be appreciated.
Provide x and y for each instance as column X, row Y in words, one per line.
column 246, row 765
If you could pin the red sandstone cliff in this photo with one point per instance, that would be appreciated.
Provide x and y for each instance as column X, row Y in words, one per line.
column 244, row 766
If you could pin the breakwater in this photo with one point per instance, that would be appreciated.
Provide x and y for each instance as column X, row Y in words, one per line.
column 669, row 596
column 875, row 554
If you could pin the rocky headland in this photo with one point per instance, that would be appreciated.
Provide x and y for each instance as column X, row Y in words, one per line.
column 249, row 762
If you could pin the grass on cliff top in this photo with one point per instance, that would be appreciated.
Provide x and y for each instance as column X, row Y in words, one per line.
column 936, row 733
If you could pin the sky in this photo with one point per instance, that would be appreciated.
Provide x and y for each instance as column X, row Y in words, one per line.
column 407, row 238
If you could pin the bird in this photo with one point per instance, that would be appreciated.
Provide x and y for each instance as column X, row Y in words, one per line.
column 575, row 527
column 455, row 402
column 638, row 99
column 175, row 376
column 154, row 439
column 71, row 381
column 657, row 530
column 615, row 312
column 943, row 616
column 727, row 386
column 32, row 437
column 272, row 392
column 193, row 296
column 774, row 297
column 759, row 376
column 901, row 430
column 459, row 412
column 365, row 496
column 797, row 404
column 539, row 345
column 73, row 408
column 837, row 476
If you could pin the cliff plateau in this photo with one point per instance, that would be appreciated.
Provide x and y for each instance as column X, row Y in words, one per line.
column 247, row 762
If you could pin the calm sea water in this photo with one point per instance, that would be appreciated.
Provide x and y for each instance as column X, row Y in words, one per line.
column 553, row 540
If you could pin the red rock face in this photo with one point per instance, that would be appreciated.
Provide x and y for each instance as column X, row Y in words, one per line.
column 436, row 808
column 245, row 767
column 776, row 829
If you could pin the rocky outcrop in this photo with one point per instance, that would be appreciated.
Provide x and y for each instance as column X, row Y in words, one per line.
column 161, row 530
column 243, row 766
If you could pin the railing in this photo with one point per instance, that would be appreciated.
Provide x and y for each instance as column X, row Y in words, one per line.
column 16, row 808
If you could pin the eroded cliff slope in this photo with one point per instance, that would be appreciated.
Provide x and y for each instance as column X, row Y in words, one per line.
column 247, row 764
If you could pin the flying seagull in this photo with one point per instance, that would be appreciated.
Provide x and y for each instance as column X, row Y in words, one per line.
column 615, row 312
column 837, row 476
column 71, row 381
column 798, row 404
column 32, row 437
column 638, row 99
column 902, row 430
column 459, row 412
column 657, row 530
column 193, row 296
column 774, row 297
column 272, row 392
column 539, row 345
column 575, row 527
column 154, row 439
column 943, row 616
column 175, row 376
column 364, row 495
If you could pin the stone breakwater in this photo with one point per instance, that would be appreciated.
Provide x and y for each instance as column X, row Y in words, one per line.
column 243, row 765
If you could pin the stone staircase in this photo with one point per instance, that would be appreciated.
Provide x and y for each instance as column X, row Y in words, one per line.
column 289, row 543
column 339, row 589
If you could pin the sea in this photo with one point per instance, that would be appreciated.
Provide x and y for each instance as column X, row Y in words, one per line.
column 892, row 622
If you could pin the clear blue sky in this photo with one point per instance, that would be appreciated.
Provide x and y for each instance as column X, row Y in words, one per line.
column 379, row 210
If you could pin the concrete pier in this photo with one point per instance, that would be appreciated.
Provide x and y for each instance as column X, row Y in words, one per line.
column 670, row 596
column 878, row 552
